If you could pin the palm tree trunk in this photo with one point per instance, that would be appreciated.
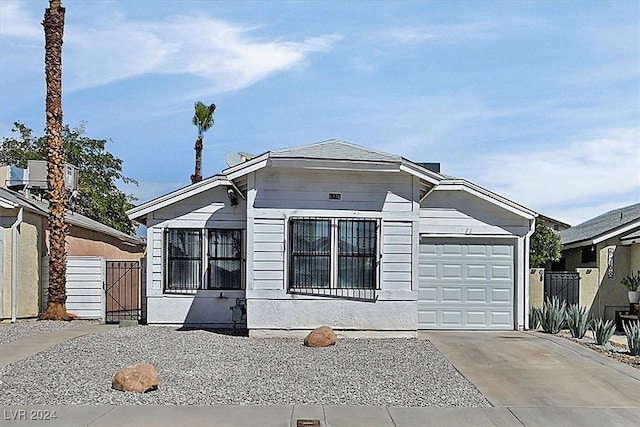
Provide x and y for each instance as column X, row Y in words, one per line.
column 197, row 176
column 53, row 29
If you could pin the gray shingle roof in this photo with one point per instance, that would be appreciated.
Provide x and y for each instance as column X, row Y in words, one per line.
column 334, row 149
column 631, row 236
column 42, row 208
column 602, row 224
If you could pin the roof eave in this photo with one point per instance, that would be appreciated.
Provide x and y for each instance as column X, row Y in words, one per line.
column 142, row 210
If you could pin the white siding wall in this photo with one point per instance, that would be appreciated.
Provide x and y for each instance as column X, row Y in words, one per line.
column 397, row 249
column 280, row 194
column 85, row 293
column 461, row 213
column 210, row 209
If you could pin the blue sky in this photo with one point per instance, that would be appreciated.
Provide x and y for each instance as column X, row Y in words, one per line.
column 537, row 101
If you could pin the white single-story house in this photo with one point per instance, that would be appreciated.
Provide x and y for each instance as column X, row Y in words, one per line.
column 341, row 235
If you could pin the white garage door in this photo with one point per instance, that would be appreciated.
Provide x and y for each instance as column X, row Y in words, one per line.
column 465, row 285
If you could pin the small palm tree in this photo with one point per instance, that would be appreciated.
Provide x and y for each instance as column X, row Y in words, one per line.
column 203, row 119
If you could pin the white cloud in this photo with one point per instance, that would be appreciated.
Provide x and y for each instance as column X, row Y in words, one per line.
column 564, row 182
column 230, row 56
column 112, row 48
column 482, row 28
column 15, row 22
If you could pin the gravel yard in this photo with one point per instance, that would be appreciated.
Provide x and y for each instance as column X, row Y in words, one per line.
column 198, row 367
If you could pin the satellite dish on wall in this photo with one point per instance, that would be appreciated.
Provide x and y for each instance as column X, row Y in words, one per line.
column 236, row 157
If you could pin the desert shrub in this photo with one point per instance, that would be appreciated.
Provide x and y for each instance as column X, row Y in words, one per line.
column 535, row 314
column 578, row 320
column 553, row 315
column 603, row 331
column 632, row 331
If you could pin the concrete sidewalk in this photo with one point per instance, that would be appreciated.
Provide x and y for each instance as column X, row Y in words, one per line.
column 32, row 344
column 304, row 416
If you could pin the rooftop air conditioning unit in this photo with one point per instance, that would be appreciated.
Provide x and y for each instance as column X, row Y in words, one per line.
column 12, row 176
column 37, row 175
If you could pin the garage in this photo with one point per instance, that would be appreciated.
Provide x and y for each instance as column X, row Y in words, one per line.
column 466, row 284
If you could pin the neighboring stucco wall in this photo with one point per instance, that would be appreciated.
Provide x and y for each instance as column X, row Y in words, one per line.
column 536, row 287
column 610, row 295
column 83, row 242
column 29, row 261
column 589, row 280
column 634, row 258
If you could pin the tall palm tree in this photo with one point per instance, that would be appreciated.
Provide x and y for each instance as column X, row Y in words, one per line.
column 53, row 29
column 203, row 119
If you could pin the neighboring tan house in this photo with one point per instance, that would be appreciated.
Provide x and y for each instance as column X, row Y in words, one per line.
column 24, row 243
column 341, row 235
column 607, row 248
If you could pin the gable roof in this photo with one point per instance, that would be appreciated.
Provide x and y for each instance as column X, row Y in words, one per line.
column 331, row 154
column 335, row 149
column 603, row 227
column 14, row 200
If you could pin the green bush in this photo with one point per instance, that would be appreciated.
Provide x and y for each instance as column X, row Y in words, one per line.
column 578, row 320
column 603, row 331
column 553, row 315
column 535, row 314
column 632, row 331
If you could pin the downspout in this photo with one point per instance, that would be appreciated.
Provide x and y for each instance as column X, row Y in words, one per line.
column 527, row 275
column 14, row 264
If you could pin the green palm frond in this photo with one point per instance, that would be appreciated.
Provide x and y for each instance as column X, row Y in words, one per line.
column 203, row 116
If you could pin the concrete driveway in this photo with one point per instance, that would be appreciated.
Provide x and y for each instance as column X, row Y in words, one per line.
column 531, row 369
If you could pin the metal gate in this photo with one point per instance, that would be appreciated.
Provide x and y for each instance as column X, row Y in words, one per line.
column 123, row 293
column 563, row 284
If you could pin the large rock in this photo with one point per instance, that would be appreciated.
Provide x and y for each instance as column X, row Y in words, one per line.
column 139, row 378
column 321, row 337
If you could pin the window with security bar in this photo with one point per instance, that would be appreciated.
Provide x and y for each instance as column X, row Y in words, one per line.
column 225, row 259
column 203, row 259
column 334, row 257
column 183, row 259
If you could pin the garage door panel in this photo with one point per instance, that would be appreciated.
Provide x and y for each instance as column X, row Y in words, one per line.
column 477, row 295
column 476, row 271
column 476, row 318
column 428, row 318
column 449, row 249
column 451, row 318
column 501, row 295
column 452, row 295
column 428, row 294
column 451, row 271
column 466, row 285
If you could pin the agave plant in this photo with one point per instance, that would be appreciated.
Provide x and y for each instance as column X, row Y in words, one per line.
column 632, row 331
column 578, row 320
column 553, row 315
column 535, row 314
column 603, row 331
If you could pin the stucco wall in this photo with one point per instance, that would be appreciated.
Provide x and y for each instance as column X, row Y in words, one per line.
column 589, row 284
column 536, row 287
column 29, row 261
column 634, row 258
column 83, row 242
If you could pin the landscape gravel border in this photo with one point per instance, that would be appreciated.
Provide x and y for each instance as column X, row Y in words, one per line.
column 200, row 367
